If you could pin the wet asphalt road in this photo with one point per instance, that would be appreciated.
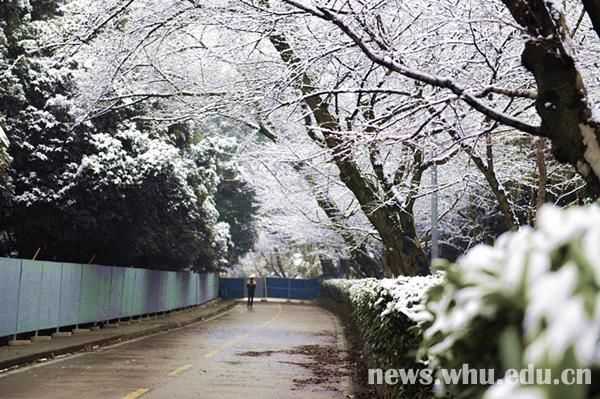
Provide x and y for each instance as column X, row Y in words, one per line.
column 206, row 360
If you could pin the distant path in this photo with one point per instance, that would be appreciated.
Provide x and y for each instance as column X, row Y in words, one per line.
column 275, row 351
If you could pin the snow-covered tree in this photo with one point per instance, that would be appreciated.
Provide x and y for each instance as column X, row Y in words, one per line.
column 114, row 189
column 380, row 93
column 556, row 53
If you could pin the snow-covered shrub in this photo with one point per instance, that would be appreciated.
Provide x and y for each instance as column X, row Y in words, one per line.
column 4, row 157
column 337, row 289
column 385, row 314
column 532, row 298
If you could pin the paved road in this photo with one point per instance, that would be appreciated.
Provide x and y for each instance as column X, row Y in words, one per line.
column 273, row 351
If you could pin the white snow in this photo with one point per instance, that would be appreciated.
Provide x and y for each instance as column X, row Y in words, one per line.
column 561, row 300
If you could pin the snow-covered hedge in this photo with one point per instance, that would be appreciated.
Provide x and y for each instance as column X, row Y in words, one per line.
column 532, row 298
column 384, row 313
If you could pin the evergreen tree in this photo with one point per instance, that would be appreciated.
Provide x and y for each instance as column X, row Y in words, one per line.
column 112, row 190
column 238, row 206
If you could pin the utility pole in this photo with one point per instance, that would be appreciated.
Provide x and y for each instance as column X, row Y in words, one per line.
column 434, row 214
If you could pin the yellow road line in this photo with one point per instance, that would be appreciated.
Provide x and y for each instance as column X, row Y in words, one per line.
column 210, row 354
column 179, row 370
column 234, row 341
column 137, row 393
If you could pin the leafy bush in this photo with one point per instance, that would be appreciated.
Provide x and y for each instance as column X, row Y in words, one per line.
column 385, row 313
column 533, row 298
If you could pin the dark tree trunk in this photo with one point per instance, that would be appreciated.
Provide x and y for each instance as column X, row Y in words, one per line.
column 592, row 7
column 402, row 253
column 562, row 97
column 327, row 267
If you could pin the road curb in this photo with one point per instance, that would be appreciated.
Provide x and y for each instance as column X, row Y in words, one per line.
column 86, row 346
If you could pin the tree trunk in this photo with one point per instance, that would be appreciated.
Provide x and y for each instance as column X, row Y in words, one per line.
column 363, row 265
column 592, row 7
column 279, row 266
column 403, row 254
column 402, row 251
column 487, row 169
column 562, row 97
column 327, row 267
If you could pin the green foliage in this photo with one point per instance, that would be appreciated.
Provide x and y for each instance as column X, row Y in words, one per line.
column 531, row 299
column 383, row 313
column 109, row 189
column 237, row 204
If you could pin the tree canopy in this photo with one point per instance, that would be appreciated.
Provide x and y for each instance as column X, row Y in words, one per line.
column 211, row 134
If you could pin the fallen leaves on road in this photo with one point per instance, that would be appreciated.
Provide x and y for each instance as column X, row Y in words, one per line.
column 327, row 364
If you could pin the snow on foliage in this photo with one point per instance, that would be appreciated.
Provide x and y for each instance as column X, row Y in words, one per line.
column 4, row 144
column 533, row 297
column 385, row 313
column 130, row 157
column 402, row 295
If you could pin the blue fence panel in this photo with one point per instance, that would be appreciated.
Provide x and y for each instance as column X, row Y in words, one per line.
column 142, row 285
column 49, row 295
column 196, row 288
column 104, row 287
column 90, row 306
column 29, row 295
column 146, row 299
column 304, row 288
column 193, row 290
column 161, row 292
column 260, row 292
column 115, row 298
column 229, row 287
column 70, row 286
column 41, row 295
column 188, row 291
column 214, row 286
column 278, row 287
column 154, row 290
column 129, row 290
column 208, row 288
column 204, row 287
column 183, row 281
column 10, row 273
column 175, row 291
column 167, row 286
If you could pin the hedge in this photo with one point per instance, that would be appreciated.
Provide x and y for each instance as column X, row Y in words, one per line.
column 532, row 299
column 384, row 315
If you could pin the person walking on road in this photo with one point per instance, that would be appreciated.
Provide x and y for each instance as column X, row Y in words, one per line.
column 251, row 286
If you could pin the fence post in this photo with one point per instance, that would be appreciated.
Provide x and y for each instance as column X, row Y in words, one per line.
column 265, row 290
column 18, row 302
column 289, row 288
column 59, row 297
column 132, row 299
column 37, row 325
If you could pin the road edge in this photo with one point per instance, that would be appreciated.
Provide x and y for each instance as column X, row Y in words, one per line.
column 29, row 359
